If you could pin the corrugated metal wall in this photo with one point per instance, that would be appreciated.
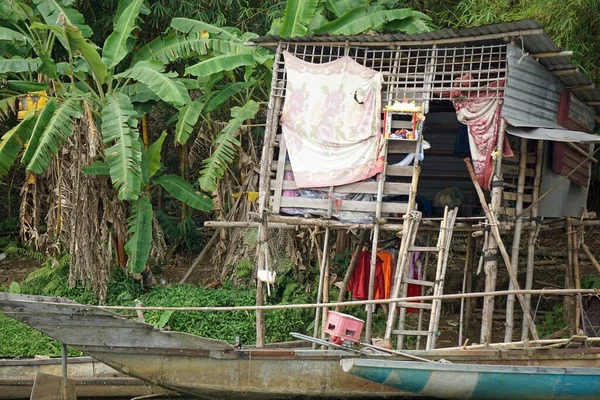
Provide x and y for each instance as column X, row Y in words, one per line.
column 532, row 93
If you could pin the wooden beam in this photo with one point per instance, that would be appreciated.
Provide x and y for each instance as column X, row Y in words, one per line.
column 580, row 87
column 562, row 72
column 552, row 54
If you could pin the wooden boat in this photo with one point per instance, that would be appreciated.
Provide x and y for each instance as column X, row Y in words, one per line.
column 92, row 378
column 210, row 368
column 461, row 381
column 190, row 364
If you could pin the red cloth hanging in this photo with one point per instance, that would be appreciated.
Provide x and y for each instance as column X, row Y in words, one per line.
column 414, row 290
column 359, row 281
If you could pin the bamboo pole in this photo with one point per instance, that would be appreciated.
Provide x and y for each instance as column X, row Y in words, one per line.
column 533, row 234
column 438, row 276
column 321, row 283
column 272, row 125
column 496, row 234
column 437, row 304
column 593, row 259
column 423, row 290
column 407, row 239
column 364, row 237
column 491, row 265
column 380, row 184
column 569, row 305
column 516, row 344
column 516, row 244
column 540, row 292
column 466, row 271
column 577, row 275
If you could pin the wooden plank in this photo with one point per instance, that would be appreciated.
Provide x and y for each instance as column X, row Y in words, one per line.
column 346, row 205
column 420, row 248
column 408, row 304
column 410, row 332
column 278, row 186
column 513, row 196
column 401, row 146
column 390, row 170
column 396, row 170
column 419, row 282
column 392, row 188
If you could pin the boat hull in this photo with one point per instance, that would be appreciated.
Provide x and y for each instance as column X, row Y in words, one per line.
column 92, row 378
column 460, row 381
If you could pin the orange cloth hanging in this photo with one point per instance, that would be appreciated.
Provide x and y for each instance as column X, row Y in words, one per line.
column 387, row 266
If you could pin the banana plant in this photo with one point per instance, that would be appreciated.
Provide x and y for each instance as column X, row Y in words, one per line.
column 348, row 17
column 101, row 85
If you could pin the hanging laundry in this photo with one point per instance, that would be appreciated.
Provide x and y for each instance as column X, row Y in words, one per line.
column 481, row 112
column 387, row 265
column 415, row 271
column 359, row 281
column 331, row 121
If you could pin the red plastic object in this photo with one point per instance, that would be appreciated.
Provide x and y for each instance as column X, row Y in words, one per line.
column 342, row 327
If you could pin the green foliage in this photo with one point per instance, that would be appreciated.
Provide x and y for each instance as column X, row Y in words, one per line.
column 154, row 154
column 55, row 133
column 13, row 248
column 13, row 141
column 119, row 129
column 139, row 226
column 572, row 24
column 590, row 282
column 115, row 47
column 183, row 191
column 151, row 74
column 226, row 146
column 553, row 322
column 188, row 117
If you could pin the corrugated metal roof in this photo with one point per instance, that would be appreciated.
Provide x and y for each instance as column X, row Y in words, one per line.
column 535, row 41
column 556, row 135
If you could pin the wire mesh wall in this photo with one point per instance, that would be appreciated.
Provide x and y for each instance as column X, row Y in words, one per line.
column 420, row 74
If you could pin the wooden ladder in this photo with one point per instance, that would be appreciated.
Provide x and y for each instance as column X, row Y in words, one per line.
column 401, row 280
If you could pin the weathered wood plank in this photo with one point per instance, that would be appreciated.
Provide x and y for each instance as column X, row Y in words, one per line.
column 513, row 196
column 346, row 205
column 391, row 188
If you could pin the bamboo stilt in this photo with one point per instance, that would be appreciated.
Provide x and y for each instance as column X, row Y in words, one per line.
column 321, row 284
column 380, row 184
column 271, row 128
column 577, row 276
column 498, row 239
column 439, row 282
column 423, row 289
column 514, row 258
column 569, row 305
column 466, row 272
column 533, row 234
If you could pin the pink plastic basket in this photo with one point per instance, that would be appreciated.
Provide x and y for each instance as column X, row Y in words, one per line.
column 342, row 327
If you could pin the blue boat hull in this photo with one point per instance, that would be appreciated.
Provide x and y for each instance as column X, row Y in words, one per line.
column 461, row 381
